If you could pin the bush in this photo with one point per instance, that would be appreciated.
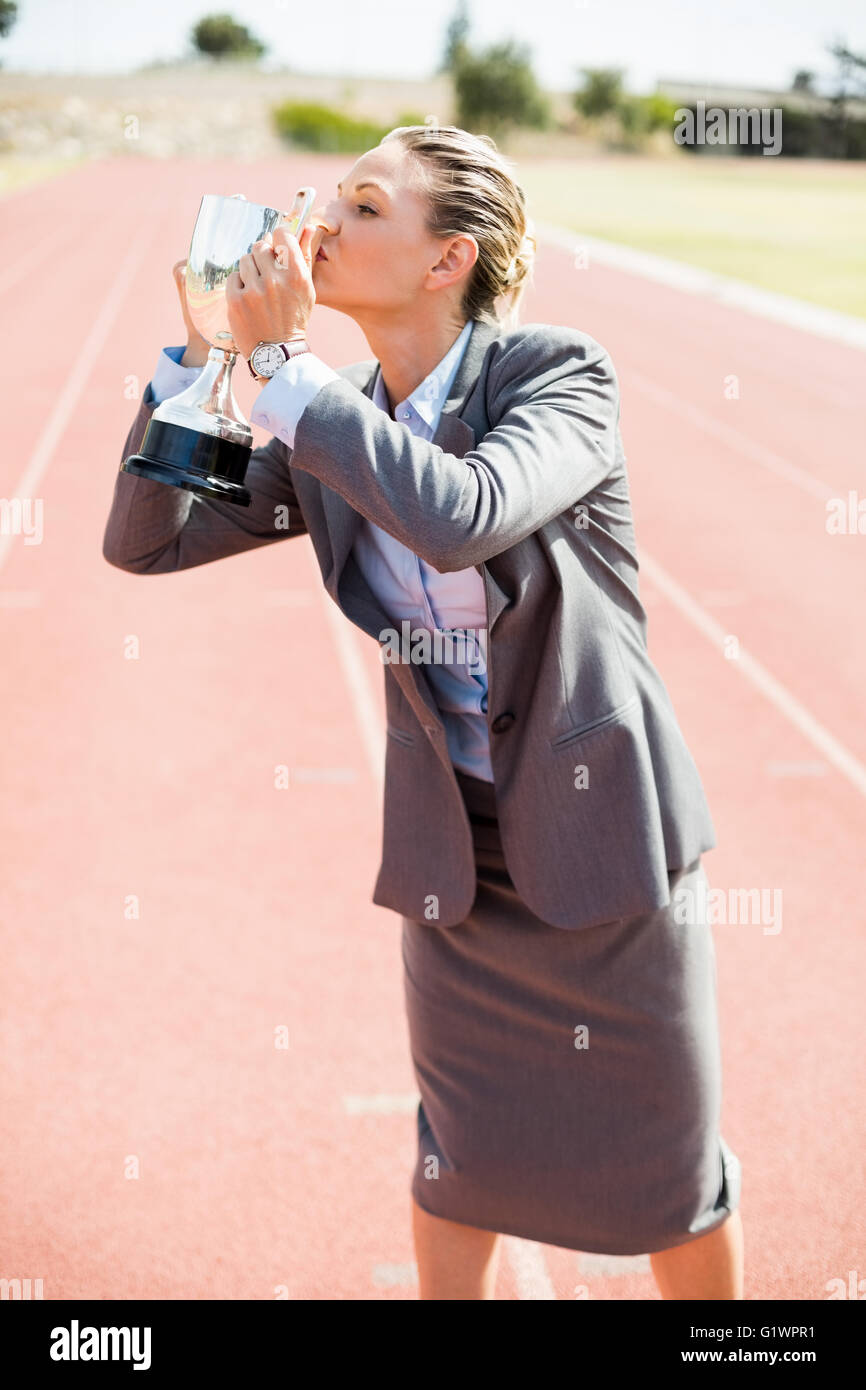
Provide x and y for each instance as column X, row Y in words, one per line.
column 640, row 116
column 601, row 91
column 497, row 89
column 818, row 135
column 316, row 127
column 661, row 112
column 634, row 118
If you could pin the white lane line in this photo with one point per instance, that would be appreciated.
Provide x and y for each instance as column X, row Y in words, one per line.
column 612, row 1266
column 529, row 1268
column 387, row 1276
column 84, row 359
column 527, row 1259
column 778, row 694
column 733, row 438
column 724, row 289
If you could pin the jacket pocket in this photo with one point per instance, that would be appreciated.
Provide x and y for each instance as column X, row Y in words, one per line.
column 583, row 730
column 400, row 735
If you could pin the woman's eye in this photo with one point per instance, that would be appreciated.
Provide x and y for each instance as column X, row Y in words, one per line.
column 363, row 207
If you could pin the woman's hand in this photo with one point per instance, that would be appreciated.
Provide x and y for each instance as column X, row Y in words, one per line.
column 270, row 297
column 197, row 347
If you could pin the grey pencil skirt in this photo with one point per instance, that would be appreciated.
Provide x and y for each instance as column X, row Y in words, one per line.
column 570, row 1080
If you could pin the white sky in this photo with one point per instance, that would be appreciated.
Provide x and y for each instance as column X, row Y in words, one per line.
column 749, row 42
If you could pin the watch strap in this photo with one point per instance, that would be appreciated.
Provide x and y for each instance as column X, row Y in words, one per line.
column 296, row 348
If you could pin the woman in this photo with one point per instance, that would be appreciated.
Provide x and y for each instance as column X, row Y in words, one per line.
column 544, row 821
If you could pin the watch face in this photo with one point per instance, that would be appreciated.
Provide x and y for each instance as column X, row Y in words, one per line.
column 267, row 359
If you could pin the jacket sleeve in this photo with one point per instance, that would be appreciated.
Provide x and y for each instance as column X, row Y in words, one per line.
column 553, row 403
column 153, row 528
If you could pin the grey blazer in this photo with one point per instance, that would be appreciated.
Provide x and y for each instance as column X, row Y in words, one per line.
column 597, row 795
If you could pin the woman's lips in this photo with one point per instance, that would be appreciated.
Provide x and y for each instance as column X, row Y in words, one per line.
column 320, row 255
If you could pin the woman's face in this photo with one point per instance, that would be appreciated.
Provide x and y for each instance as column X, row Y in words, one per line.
column 379, row 253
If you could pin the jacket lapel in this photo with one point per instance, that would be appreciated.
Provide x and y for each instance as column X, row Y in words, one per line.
column 345, row 582
column 456, row 436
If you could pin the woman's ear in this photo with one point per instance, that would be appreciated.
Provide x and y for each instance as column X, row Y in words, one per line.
column 458, row 257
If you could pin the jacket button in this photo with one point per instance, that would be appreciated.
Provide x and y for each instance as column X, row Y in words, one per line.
column 503, row 722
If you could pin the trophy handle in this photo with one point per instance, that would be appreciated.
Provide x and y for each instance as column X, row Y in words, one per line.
column 301, row 209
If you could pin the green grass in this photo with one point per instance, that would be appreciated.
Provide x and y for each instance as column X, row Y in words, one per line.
column 794, row 226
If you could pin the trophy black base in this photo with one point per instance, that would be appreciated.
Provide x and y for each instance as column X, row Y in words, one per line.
column 205, row 464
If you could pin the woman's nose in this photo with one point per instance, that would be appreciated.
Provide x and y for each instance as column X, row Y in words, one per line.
column 320, row 216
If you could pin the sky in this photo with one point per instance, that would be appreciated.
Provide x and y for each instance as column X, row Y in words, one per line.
column 758, row 43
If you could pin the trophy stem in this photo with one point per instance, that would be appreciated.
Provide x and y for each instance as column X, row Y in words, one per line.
column 216, row 379
column 212, row 398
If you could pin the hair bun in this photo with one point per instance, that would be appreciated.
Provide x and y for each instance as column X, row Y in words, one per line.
column 525, row 252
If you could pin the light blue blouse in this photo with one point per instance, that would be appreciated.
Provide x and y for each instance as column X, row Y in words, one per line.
column 448, row 611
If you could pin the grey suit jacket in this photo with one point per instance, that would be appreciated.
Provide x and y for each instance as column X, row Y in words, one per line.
column 597, row 795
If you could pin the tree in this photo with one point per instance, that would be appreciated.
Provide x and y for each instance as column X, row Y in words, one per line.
column 601, row 91
column 8, row 16
column 804, row 81
column 220, row 36
column 851, row 73
column 852, row 70
column 497, row 89
column 456, row 36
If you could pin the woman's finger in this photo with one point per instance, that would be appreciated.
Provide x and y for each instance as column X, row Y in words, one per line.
column 263, row 254
column 249, row 269
column 285, row 247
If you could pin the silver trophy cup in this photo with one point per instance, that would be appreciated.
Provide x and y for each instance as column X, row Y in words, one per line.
column 199, row 439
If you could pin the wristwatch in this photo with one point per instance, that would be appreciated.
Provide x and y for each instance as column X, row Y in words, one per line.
column 267, row 358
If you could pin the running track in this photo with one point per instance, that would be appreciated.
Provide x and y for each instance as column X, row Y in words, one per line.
column 149, row 1039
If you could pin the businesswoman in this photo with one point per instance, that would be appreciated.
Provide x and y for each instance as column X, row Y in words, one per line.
column 544, row 821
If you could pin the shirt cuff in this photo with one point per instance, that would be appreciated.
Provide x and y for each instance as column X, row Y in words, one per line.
column 281, row 403
column 170, row 378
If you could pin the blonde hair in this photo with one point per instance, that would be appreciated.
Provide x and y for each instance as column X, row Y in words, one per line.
column 471, row 191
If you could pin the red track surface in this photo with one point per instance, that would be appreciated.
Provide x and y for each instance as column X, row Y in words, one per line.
column 153, row 1036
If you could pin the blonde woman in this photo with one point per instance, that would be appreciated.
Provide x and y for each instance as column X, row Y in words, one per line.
column 544, row 821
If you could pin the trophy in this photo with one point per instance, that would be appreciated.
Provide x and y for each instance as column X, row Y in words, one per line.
column 199, row 439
